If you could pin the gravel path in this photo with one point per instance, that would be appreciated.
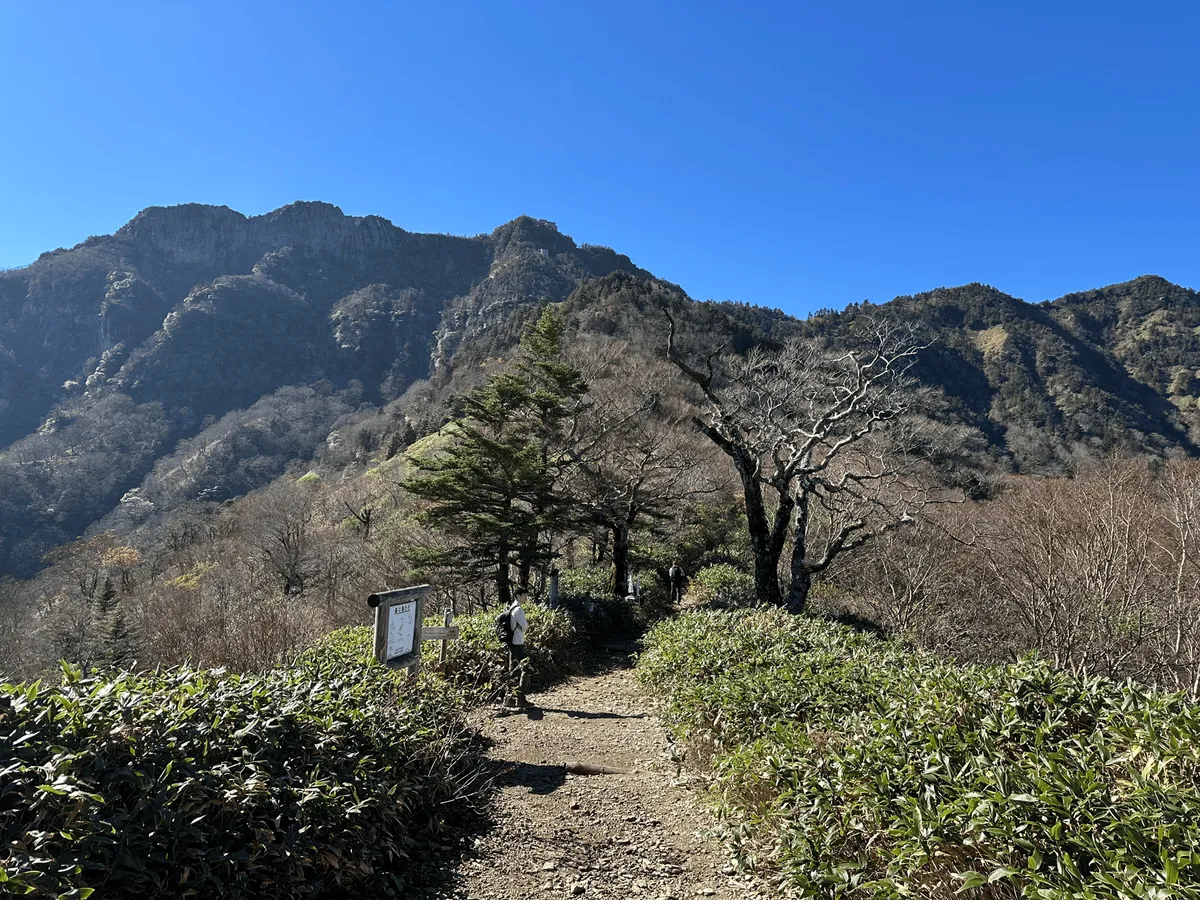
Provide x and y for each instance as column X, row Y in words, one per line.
column 639, row 834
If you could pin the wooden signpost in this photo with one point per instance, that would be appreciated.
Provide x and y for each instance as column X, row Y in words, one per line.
column 399, row 631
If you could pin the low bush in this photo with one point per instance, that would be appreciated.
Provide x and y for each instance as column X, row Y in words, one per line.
column 585, row 583
column 476, row 661
column 864, row 769
column 310, row 781
column 722, row 585
column 587, row 592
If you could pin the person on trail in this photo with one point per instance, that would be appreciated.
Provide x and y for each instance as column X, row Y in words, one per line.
column 676, row 576
column 518, row 656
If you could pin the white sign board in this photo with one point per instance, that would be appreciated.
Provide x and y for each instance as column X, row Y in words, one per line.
column 401, row 628
column 398, row 623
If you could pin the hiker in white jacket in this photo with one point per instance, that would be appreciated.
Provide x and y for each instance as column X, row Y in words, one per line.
column 517, row 654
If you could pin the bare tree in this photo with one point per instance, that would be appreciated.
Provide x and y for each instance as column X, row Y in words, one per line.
column 281, row 519
column 638, row 459
column 1180, row 637
column 908, row 582
column 19, row 640
column 830, row 447
column 1074, row 565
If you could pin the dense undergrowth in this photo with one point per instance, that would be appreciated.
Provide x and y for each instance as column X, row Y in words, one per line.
column 477, row 662
column 314, row 780
column 862, row 768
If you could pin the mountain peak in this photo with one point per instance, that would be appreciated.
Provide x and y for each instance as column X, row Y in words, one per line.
column 541, row 234
column 179, row 216
column 193, row 232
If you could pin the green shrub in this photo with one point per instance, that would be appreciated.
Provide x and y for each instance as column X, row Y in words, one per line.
column 587, row 592
column 476, row 661
column 311, row 781
column 722, row 585
column 585, row 583
column 865, row 769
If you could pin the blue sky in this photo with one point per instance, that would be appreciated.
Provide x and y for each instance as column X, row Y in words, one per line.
column 785, row 154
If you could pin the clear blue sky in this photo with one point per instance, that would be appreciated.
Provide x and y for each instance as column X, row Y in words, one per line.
column 787, row 154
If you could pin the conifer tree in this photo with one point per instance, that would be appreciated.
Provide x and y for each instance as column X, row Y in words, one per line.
column 118, row 641
column 497, row 489
column 113, row 641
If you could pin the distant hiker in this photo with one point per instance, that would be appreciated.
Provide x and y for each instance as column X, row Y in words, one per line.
column 511, row 625
column 676, row 576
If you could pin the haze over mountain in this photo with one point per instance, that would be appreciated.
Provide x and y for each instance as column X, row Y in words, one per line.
column 196, row 353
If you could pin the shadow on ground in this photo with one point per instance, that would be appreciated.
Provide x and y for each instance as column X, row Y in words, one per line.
column 435, row 867
column 539, row 779
column 435, row 862
column 580, row 714
column 606, row 656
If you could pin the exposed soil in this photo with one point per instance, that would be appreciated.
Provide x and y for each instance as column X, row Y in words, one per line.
column 639, row 834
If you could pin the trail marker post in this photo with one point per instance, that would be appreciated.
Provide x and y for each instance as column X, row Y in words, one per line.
column 444, row 633
column 399, row 631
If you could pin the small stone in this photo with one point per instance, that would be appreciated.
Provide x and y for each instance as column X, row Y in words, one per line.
column 577, row 889
column 550, row 866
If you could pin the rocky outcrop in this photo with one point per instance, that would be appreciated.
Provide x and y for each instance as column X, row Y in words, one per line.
column 199, row 234
column 188, row 313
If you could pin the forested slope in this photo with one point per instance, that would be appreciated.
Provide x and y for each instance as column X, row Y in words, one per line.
column 197, row 353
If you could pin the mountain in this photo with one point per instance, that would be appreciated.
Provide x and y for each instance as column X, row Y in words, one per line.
column 1110, row 370
column 115, row 351
column 197, row 353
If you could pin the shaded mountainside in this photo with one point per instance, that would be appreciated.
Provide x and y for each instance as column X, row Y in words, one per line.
column 1112, row 370
column 198, row 353
column 114, row 351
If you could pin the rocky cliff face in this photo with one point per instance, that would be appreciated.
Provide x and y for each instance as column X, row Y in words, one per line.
column 188, row 313
column 194, row 233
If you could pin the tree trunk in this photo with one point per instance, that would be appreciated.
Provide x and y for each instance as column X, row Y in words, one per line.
column 801, row 583
column 620, row 534
column 765, row 541
column 503, row 588
column 801, row 576
column 766, row 537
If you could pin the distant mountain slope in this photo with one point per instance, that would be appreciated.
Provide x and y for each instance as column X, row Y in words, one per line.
column 191, row 312
column 197, row 353
column 1045, row 392
column 1052, row 380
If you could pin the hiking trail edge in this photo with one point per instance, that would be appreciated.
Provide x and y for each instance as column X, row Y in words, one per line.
column 639, row 834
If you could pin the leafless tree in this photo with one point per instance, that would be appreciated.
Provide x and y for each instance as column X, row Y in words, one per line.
column 1074, row 563
column 638, row 459
column 831, row 448
column 911, row 582
column 1180, row 512
column 279, row 525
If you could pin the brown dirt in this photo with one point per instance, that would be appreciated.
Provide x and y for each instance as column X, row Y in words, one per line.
column 643, row 834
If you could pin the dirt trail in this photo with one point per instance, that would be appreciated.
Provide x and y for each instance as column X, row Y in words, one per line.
column 556, row 834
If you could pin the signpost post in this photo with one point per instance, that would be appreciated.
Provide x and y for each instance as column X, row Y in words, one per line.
column 398, row 627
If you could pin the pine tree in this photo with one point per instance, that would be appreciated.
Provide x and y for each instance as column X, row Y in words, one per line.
column 112, row 639
column 497, row 489
column 118, row 641
column 108, row 599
